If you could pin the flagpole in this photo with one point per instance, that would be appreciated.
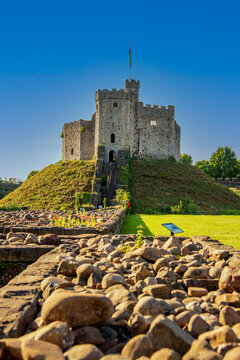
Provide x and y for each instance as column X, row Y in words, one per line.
column 130, row 61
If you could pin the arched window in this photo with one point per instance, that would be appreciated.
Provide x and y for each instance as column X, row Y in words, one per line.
column 72, row 151
column 112, row 138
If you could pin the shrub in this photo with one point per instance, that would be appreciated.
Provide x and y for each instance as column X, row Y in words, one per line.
column 166, row 209
column 77, row 200
column 32, row 173
column 172, row 159
column 122, row 195
column 230, row 212
column 185, row 207
column 82, row 129
column 139, row 237
column 9, row 207
column 82, row 198
column 105, row 202
column 86, row 198
column 186, row 159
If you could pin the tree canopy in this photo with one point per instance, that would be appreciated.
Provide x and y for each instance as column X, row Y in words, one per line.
column 223, row 163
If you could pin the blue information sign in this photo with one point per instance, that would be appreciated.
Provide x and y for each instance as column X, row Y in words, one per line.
column 173, row 228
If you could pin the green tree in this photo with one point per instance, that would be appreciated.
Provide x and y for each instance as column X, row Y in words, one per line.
column 206, row 167
column 186, row 159
column 224, row 163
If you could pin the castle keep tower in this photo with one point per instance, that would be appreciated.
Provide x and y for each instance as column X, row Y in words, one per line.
column 122, row 123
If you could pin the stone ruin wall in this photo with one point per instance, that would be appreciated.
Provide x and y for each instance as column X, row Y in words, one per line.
column 71, row 141
column 78, row 140
column 161, row 140
column 87, row 138
column 234, row 182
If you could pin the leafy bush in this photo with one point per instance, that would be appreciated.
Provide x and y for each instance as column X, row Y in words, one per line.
column 9, row 207
column 185, row 207
column 139, row 237
column 105, row 202
column 122, row 195
column 77, row 200
column 186, row 159
column 166, row 209
column 86, row 198
column 230, row 212
column 82, row 198
column 32, row 173
column 172, row 159
column 124, row 248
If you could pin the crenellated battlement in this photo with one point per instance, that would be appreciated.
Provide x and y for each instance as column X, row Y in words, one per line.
column 73, row 123
column 132, row 84
column 114, row 94
column 147, row 107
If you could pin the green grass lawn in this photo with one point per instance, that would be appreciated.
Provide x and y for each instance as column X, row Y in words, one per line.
column 225, row 228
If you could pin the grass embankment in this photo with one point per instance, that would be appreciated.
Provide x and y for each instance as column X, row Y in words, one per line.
column 155, row 184
column 54, row 187
column 225, row 228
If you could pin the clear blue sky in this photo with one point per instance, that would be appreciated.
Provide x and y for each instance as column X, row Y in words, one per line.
column 55, row 54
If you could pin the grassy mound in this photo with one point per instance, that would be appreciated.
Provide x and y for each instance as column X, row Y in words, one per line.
column 54, row 187
column 155, row 184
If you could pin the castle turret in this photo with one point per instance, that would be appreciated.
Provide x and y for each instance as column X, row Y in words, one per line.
column 133, row 85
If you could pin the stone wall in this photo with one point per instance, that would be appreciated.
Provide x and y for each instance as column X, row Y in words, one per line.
column 87, row 139
column 23, row 252
column 111, row 227
column 158, row 133
column 71, row 141
column 115, row 118
column 234, row 182
column 19, row 299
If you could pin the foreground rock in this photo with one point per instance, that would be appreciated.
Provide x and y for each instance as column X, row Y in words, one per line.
column 77, row 309
column 165, row 333
column 102, row 298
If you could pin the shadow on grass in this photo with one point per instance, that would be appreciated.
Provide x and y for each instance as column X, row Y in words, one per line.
column 132, row 222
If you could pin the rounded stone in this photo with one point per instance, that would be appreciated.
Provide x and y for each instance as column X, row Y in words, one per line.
column 233, row 354
column 83, row 352
column 57, row 333
column 166, row 354
column 37, row 349
column 51, row 281
column 148, row 305
column 85, row 270
column 77, row 309
column 112, row 279
column 140, row 345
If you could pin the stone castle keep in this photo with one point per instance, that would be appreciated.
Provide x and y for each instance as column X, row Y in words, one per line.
column 121, row 124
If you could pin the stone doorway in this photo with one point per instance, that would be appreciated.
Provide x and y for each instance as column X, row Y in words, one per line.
column 112, row 156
